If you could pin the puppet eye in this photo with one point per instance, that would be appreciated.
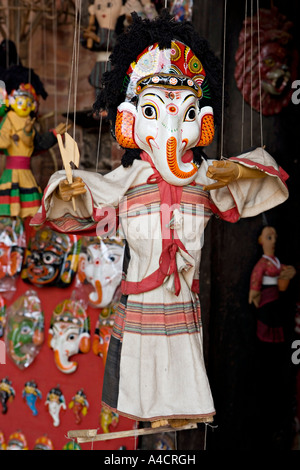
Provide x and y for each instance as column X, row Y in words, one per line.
column 149, row 111
column 190, row 115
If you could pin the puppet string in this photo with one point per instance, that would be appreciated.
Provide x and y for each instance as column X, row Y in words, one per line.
column 101, row 118
column 251, row 77
column 74, row 63
column 259, row 74
column 205, row 433
column 223, row 78
column 244, row 69
column 54, row 34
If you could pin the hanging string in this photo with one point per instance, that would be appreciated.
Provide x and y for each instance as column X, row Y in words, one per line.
column 54, row 34
column 244, row 70
column 259, row 74
column 74, row 63
column 223, row 78
column 105, row 69
column 251, row 76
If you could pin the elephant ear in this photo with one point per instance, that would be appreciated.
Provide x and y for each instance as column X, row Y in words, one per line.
column 124, row 127
column 15, row 262
column 81, row 267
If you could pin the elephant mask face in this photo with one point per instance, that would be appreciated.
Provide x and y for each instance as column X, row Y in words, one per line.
column 167, row 110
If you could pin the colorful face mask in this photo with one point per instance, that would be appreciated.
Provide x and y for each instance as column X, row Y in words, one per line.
column 171, row 114
column 17, row 441
column 51, row 259
column 43, row 443
column 100, row 267
column 24, row 332
column 69, row 334
column 12, row 247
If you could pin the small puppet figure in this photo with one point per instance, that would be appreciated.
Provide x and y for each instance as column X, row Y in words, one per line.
column 20, row 194
column 79, row 405
column 108, row 419
column 163, row 97
column 268, row 278
column 102, row 32
column 31, row 394
column 55, row 403
column 7, row 393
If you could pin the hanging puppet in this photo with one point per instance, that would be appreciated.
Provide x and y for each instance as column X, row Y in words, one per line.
column 102, row 32
column 79, row 405
column 31, row 394
column 55, row 403
column 7, row 393
column 266, row 61
column 24, row 331
column 269, row 277
column 162, row 97
column 69, row 334
column 20, row 194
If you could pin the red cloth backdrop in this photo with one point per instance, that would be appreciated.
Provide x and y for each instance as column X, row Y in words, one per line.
column 43, row 370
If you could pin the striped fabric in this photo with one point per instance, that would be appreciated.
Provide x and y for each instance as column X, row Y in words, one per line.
column 19, row 193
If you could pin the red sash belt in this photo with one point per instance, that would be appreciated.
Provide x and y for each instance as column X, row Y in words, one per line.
column 171, row 195
column 17, row 163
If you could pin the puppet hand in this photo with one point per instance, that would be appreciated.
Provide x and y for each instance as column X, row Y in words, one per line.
column 224, row 172
column 288, row 272
column 254, row 297
column 29, row 125
column 89, row 34
column 61, row 128
column 66, row 191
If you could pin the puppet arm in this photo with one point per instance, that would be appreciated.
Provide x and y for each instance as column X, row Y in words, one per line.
column 225, row 172
column 28, row 132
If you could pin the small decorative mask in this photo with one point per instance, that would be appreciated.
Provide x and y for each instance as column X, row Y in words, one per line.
column 100, row 269
column 43, row 443
column 17, row 441
column 265, row 70
column 12, row 247
column 24, row 332
column 69, row 334
column 51, row 259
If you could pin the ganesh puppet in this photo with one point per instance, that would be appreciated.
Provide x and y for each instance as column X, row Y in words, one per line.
column 69, row 334
column 163, row 98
